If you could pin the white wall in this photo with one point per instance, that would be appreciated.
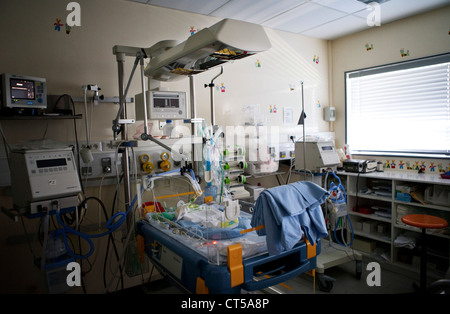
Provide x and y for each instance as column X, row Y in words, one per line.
column 423, row 35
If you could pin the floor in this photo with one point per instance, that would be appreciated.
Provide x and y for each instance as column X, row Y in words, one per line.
column 346, row 282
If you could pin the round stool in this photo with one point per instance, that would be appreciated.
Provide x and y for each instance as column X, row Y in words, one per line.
column 424, row 222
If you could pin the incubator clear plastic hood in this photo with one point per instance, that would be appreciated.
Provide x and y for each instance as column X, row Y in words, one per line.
column 224, row 41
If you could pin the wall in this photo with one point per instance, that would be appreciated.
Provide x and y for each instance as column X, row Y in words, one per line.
column 32, row 46
column 423, row 35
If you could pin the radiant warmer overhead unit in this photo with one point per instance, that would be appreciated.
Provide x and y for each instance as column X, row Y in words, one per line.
column 224, row 41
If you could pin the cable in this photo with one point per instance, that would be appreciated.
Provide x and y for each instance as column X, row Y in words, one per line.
column 111, row 240
column 112, row 224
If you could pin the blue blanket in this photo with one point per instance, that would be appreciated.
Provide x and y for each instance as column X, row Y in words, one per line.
column 288, row 212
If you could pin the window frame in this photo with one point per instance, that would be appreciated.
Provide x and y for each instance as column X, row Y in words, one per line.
column 389, row 67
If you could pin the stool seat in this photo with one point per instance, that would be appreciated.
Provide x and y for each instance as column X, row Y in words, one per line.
column 424, row 221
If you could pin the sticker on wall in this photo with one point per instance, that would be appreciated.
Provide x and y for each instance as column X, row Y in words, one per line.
column 58, row 25
column 192, row 31
column 423, row 167
column 318, row 104
column 432, row 167
column 408, row 165
column 221, row 88
column 258, row 63
column 416, row 165
column 273, row 109
column 68, row 29
column 401, row 165
column 404, row 53
column 316, row 59
column 369, row 46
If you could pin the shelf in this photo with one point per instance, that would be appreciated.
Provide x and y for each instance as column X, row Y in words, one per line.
column 427, row 206
column 400, row 176
column 428, row 232
column 374, row 236
column 371, row 196
column 261, row 175
column 390, row 180
column 370, row 216
column 43, row 117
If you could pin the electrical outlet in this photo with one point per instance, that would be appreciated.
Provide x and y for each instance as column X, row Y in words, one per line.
column 95, row 146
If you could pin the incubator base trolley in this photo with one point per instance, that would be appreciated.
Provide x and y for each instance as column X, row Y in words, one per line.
column 196, row 264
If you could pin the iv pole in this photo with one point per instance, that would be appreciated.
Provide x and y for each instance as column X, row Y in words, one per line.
column 302, row 121
column 213, row 109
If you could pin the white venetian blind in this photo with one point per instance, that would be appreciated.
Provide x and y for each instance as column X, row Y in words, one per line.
column 401, row 108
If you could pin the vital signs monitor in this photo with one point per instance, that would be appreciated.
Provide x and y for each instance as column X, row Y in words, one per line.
column 19, row 91
column 162, row 105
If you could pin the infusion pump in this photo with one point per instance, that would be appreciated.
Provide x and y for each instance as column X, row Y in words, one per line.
column 318, row 155
column 40, row 178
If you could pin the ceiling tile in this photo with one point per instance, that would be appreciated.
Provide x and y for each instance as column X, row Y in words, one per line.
column 347, row 6
column 195, row 6
column 303, row 17
column 341, row 27
column 255, row 11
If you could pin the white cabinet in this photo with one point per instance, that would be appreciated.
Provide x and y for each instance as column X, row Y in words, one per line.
column 377, row 201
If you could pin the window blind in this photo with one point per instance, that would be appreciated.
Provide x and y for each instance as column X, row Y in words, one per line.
column 400, row 109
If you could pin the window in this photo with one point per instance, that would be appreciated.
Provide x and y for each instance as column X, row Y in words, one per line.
column 400, row 109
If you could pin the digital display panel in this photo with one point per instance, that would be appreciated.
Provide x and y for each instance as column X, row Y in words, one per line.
column 174, row 103
column 45, row 163
column 327, row 147
column 166, row 102
column 22, row 89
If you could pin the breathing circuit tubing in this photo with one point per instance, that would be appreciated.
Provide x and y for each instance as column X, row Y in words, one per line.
column 112, row 225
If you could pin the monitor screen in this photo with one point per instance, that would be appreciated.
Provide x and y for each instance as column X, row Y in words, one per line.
column 22, row 89
column 24, row 92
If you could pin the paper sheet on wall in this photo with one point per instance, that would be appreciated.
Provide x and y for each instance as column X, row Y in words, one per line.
column 288, row 114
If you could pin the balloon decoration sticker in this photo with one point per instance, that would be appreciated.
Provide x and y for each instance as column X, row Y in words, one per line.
column 404, row 53
column 221, row 88
column 58, row 25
